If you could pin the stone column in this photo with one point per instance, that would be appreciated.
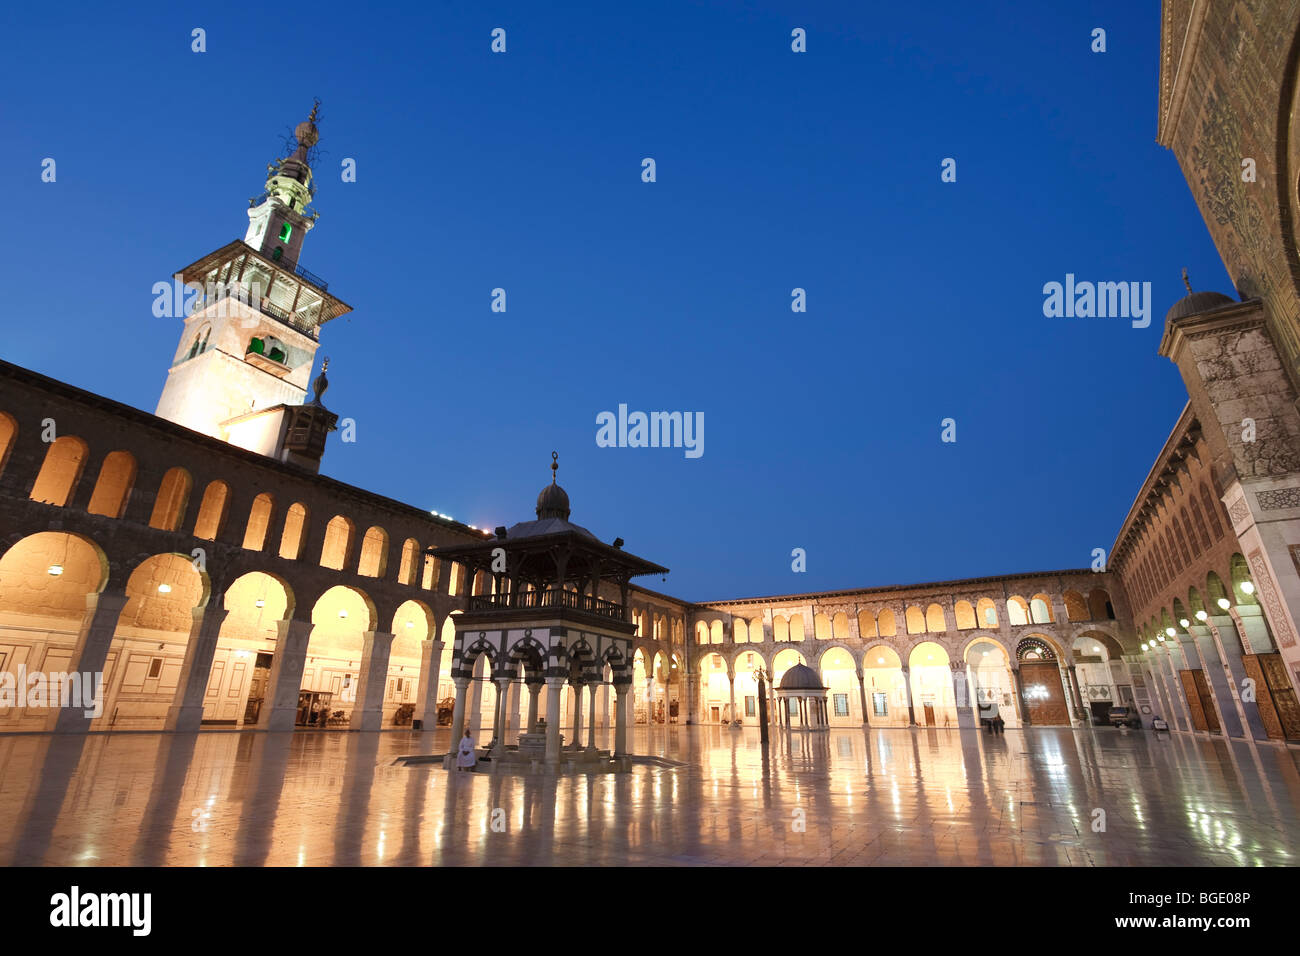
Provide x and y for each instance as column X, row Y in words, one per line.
column 285, row 679
column 368, row 714
column 1080, row 704
column 474, row 701
column 534, row 696
column 458, row 712
column 1224, row 630
column 1231, row 719
column 94, row 638
column 907, row 691
column 731, row 679
column 502, row 685
column 576, row 690
column 620, row 718
column 1174, row 686
column 554, row 685
column 186, row 712
column 426, row 694
column 591, row 714
column 1021, row 708
column 862, row 692
column 961, row 695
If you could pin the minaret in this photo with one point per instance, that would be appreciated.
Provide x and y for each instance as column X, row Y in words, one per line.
column 252, row 317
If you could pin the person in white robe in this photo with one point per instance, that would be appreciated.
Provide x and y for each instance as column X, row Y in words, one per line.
column 465, row 758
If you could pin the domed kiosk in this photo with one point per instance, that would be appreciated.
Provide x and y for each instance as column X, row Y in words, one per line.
column 550, row 611
column 804, row 700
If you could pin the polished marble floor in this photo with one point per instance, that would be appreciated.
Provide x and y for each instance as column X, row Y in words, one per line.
column 888, row 797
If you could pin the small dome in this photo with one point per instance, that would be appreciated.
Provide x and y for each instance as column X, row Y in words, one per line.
column 553, row 502
column 1197, row 302
column 801, row 677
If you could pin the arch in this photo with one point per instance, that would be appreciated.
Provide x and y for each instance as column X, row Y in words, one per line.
column 162, row 592
column 797, row 632
column 783, row 661
column 866, row 624
column 882, row 680
column 340, row 617
column 964, row 614
column 169, row 504
column 989, row 665
column 756, row 635
column 337, row 547
column 1243, row 586
column 114, row 484
column 839, row 675
column 1035, row 648
column 934, row 704
column 987, row 612
column 934, row 620
column 60, row 471
column 1017, row 611
column 294, row 535
column 715, row 632
column 212, row 510
column 1076, row 608
column 50, row 574
column 1040, row 609
column 430, row 573
column 374, row 553
column 1099, row 605
column 1216, row 593
column 414, row 620
column 259, row 522
column 840, row 627
column 8, row 431
column 886, row 626
column 701, row 632
column 780, row 629
column 821, row 627
column 915, row 619
column 739, row 631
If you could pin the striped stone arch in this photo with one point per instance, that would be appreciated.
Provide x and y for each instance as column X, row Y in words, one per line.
column 463, row 664
column 991, row 637
column 1042, row 643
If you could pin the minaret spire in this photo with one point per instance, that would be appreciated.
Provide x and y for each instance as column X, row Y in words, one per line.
column 278, row 219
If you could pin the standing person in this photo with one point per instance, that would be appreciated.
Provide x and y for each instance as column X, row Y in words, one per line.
column 465, row 759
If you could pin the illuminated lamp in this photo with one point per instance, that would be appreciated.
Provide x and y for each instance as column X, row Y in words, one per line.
column 1224, row 603
column 1202, row 616
column 1247, row 587
column 1171, row 632
column 56, row 569
column 1144, row 645
column 1183, row 622
column 259, row 603
column 343, row 612
column 164, row 589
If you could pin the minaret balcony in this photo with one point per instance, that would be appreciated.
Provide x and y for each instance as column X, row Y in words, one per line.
column 555, row 598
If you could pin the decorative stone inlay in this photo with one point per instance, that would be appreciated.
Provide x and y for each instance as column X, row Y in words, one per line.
column 1239, row 511
column 1277, row 614
column 1279, row 499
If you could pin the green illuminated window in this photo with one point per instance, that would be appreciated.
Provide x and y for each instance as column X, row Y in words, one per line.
column 286, row 231
column 277, row 253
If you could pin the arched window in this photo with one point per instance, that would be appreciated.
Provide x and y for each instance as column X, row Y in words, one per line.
column 116, row 478
column 934, row 620
column 410, row 561
column 840, row 626
column 8, row 429
column 821, row 627
column 866, row 624
column 1040, row 609
column 1212, row 506
column 1099, row 604
column 780, row 629
column 1017, row 611
column 432, row 571
column 60, row 471
column 915, row 621
column 1076, row 608
column 886, row 624
column 987, row 612
column 796, row 627
column 169, row 504
column 259, row 522
column 715, row 632
column 295, row 532
column 338, row 543
column 740, row 631
column 1199, row 516
column 374, row 553
column 701, row 632
column 965, row 616
column 212, row 510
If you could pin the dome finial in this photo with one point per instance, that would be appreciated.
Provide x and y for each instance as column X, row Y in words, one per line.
column 1186, row 281
column 555, row 465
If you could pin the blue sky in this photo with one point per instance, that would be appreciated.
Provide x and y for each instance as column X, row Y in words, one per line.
column 775, row 170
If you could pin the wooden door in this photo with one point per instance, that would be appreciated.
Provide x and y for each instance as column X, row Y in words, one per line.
column 1274, row 695
column 1197, row 692
column 929, row 714
column 1044, row 697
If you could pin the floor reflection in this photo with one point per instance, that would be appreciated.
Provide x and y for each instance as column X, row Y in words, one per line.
column 889, row 797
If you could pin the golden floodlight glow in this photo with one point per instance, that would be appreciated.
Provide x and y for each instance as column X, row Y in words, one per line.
column 164, row 589
column 343, row 612
column 259, row 603
column 56, row 569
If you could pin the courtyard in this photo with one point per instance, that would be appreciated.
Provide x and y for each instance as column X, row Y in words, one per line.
column 696, row 795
